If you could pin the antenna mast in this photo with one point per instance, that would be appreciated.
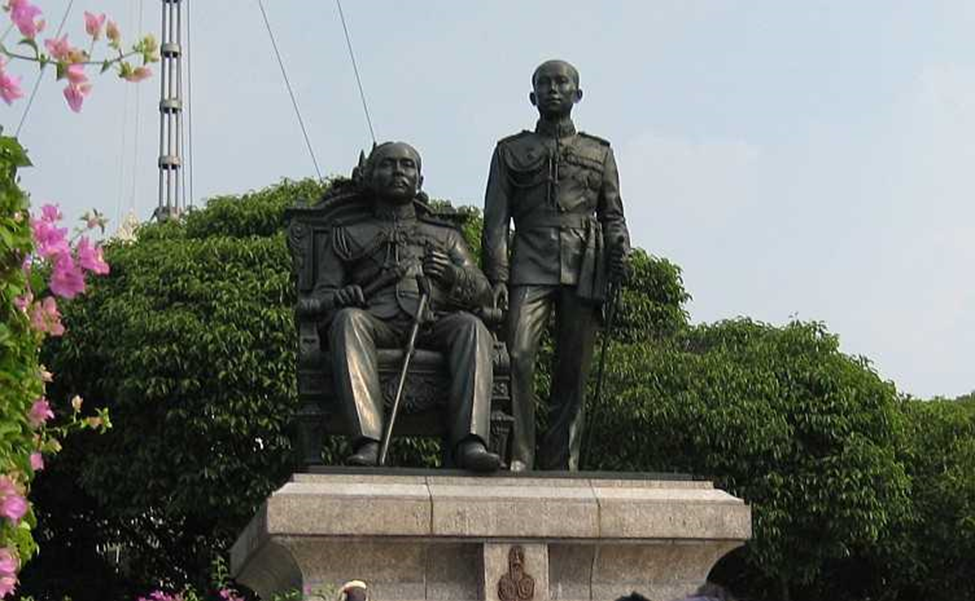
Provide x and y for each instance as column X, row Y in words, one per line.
column 171, row 192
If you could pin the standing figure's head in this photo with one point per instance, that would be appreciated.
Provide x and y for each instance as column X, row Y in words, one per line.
column 392, row 172
column 555, row 89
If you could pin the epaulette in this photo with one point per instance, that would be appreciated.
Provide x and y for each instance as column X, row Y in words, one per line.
column 349, row 220
column 602, row 141
column 514, row 136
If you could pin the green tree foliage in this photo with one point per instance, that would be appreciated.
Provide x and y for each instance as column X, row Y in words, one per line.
column 933, row 552
column 776, row 415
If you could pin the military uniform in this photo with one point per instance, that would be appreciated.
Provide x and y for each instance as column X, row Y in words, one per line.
column 561, row 190
column 394, row 240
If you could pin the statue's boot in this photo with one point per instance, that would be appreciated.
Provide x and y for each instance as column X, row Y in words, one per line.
column 366, row 455
column 473, row 455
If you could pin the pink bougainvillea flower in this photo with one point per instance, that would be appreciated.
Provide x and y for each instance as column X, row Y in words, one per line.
column 76, row 74
column 40, row 412
column 138, row 74
column 51, row 213
column 93, row 24
column 8, row 571
column 36, row 461
column 68, row 280
column 24, row 16
column 13, row 505
column 93, row 219
column 9, row 85
column 44, row 317
column 22, row 302
column 75, row 95
column 90, row 257
column 228, row 594
column 59, row 48
column 113, row 34
column 49, row 241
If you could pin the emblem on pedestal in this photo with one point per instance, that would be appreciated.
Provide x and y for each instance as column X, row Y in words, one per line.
column 516, row 585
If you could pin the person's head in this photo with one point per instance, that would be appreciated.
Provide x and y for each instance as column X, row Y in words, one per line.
column 555, row 88
column 392, row 172
column 354, row 590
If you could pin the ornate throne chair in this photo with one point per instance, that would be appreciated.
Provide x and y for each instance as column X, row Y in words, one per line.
column 319, row 412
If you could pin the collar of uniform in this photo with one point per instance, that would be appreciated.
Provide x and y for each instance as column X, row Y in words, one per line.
column 395, row 212
column 563, row 127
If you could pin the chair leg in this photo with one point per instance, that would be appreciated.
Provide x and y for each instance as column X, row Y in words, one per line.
column 447, row 454
column 310, row 438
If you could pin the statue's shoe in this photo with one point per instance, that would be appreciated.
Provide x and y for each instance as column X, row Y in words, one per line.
column 367, row 455
column 473, row 456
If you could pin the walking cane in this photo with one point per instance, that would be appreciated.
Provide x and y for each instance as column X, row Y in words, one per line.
column 424, row 285
column 612, row 300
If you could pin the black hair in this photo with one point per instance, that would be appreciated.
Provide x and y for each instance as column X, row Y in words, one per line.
column 371, row 160
column 572, row 70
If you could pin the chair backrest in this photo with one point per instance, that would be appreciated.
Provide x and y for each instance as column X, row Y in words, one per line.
column 309, row 225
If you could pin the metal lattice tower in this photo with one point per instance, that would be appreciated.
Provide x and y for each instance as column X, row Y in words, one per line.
column 172, row 194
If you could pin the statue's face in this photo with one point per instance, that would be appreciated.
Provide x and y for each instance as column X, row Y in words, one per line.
column 396, row 173
column 554, row 89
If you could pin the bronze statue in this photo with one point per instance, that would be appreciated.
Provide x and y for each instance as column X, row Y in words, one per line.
column 560, row 187
column 367, row 288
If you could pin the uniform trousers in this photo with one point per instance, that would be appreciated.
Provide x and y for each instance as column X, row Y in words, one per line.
column 575, row 327
column 467, row 346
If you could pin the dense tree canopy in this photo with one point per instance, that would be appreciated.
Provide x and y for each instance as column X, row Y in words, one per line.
column 856, row 492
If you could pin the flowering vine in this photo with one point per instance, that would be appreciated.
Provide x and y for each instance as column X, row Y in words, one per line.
column 39, row 264
column 72, row 63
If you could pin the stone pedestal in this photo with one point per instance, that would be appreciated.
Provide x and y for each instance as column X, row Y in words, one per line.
column 441, row 536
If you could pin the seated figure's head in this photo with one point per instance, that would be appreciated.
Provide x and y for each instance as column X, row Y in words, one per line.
column 392, row 172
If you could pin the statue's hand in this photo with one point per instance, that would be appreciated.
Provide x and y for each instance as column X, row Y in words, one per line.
column 619, row 264
column 437, row 266
column 350, row 296
column 500, row 292
column 309, row 307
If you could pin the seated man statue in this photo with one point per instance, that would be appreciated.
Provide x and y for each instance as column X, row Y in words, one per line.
column 368, row 289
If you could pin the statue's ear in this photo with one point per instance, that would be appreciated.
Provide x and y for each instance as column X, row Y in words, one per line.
column 419, row 183
column 578, row 95
column 532, row 98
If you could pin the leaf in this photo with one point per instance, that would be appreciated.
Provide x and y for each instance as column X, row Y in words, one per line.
column 12, row 151
column 31, row 44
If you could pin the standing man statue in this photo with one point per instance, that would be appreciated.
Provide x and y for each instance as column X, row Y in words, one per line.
column 368, row 290
column 561, row 189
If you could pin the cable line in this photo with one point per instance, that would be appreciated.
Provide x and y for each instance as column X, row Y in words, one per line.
column 355, row 69
column 189, row 103
column 37, row 82
column 291, row 93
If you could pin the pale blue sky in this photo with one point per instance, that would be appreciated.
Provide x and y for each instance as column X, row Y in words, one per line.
column 806, row 159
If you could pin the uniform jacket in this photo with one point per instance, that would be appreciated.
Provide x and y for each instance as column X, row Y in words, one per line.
column 561, row 190
column 394, row 241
